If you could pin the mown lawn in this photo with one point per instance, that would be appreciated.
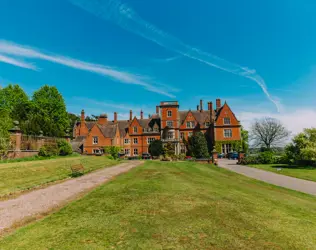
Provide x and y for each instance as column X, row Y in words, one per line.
column 307, row 173
column 177, row 206
column 19, row 176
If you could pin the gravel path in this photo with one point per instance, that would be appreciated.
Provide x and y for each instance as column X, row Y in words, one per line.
column 44, row 200
column 303, row 186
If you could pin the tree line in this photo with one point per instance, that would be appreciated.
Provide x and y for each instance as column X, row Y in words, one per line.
column 42, row 113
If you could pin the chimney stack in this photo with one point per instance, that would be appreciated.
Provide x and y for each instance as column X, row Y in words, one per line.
column 157, row 109
column 103, row 119
column 115, row 117
column 201, row 105
column 197, row 107
column 141, row 115
column 210, row 108
column 130, row 115
column 218, row 104
column 82, row 116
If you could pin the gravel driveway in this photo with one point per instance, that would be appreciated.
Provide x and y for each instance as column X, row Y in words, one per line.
column 304, row 186
column 44, row 200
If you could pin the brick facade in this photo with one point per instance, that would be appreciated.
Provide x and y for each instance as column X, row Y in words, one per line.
column 168, row 124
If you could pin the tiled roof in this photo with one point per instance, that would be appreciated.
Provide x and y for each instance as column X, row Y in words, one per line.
column 108, row 130
column 200, row 116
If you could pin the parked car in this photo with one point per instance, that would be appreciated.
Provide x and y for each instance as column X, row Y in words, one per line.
column 146, row 156
column 220, row 155
column 232, row 156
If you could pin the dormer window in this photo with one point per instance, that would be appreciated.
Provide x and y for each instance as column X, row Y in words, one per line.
column 226, row 121
column 135, row 129
column 190, row 124
column 169, row 113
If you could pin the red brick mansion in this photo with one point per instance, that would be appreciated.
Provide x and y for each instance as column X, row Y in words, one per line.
column 169, row 124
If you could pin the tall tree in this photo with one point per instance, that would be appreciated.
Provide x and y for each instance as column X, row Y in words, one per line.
column 5, row 125
column 244, row 140
column 49, row 111
column 268, row 132
column 156, row 148
column 14, row 100
column 303, row 146
column 199, row 145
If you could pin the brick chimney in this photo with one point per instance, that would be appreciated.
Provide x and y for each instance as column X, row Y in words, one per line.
column 157, row 109
column 82, row 116
column 141, row 115
column 115, row 117
column 103, row 119
column 130, row 115
column 197, row 107
column 201, row 105
column 210, row 106
column 218, row 104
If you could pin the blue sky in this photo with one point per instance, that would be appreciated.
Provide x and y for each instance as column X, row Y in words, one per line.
column 113, row 55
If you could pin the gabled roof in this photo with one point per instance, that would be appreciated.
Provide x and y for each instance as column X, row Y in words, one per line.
column 220, row 110
column 200, row 116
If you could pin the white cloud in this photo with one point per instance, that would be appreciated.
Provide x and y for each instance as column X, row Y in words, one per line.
column 124, row 16
column 17, row 50
column 17, row 62
column 295, row 120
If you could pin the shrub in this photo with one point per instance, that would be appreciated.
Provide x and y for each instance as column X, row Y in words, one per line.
column 110, row 157
column 156, row 148
column 48, row 150
column 266, row 157
column 64, row 147
column 113, row 151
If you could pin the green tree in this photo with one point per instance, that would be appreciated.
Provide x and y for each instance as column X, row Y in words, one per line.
column 168, row 149
column 303, row 146
column 5, row 125
column 49, row 112
column 156, row 148
column 72, row 120
column 199, row 145
column 113, row 151
column 244, row 140
column 14, row 100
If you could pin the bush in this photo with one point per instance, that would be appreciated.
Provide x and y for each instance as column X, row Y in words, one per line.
column 113, row 151
column 110, row 157
column 48, row 150
column 156, row 148
column 266, row 157
column 64, row 147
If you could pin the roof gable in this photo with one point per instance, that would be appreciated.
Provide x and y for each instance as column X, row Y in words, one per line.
column 225, row 111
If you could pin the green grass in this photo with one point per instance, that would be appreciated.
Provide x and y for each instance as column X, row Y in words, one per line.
column 307, row 173
column 177, row 206
column 19, row 176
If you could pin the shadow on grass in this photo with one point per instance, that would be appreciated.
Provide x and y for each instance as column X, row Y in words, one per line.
column 294, row 167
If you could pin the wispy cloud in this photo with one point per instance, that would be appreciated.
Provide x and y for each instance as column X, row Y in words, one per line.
column 166, row 60
column 17, row 62
column 12, row 49
column 124, row 16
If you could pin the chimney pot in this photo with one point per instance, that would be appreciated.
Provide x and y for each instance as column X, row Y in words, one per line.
column 197, row 107
column 130, row 115
column 141, row 115
column 82, row 116
column 201, row 105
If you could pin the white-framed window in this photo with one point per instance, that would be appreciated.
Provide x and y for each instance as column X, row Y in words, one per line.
column 126, row 141
column 207, row 124
column 226, row 120
column 190, row 134
column 190, row 124
column 127, row 151
column 169, row 113
column 228, row 133
column 135, row 140
column 170, row 135
column 96, row 151
column 170, row 124
column 95, row 140
column 135, row 129
column 181, row 135
column 135, row 151
column 150, row 139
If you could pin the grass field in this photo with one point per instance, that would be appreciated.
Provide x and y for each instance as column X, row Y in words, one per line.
column 307, row 173
column 177, row 206
column 18, row 176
